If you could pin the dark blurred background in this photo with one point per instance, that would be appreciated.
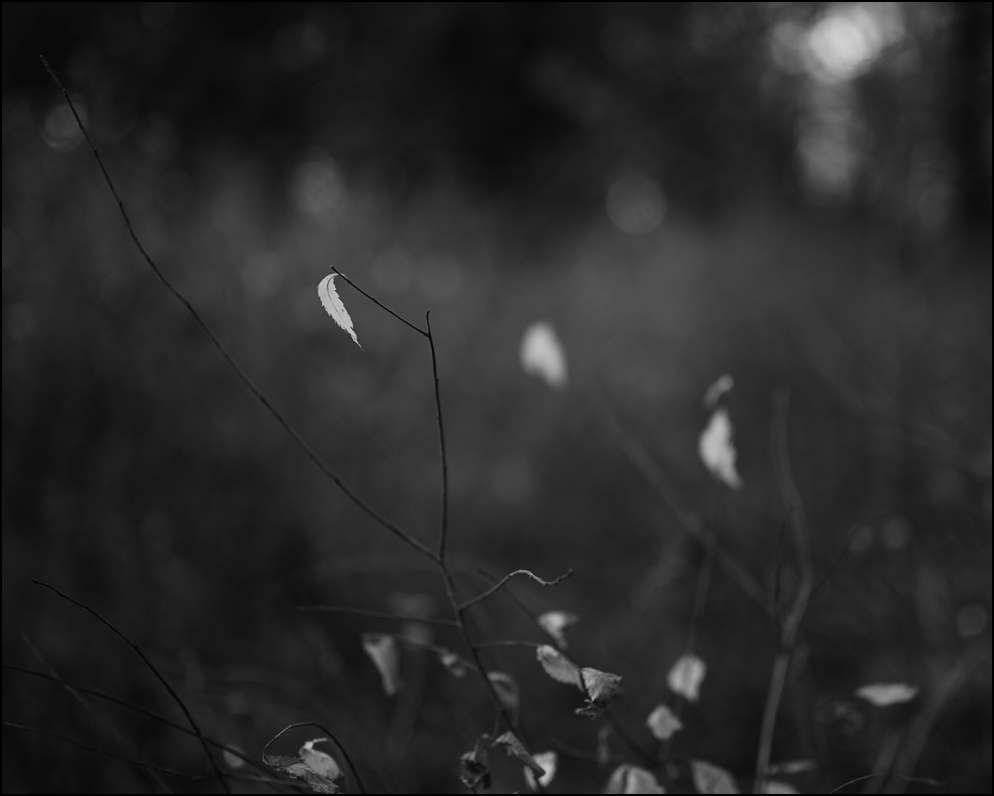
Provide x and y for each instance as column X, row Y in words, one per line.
column 796, row 194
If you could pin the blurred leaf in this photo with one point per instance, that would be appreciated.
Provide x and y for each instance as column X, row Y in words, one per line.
column 542, row 354
column 333, row 305
column 319, row 762
column 686, row 676
column 549, row 761
column 632, row 779
column 663, row 723
column 709, row 778
column 717, row 451
column 455, row 665
column 779, row 787
column 884, row 694
column 603, row 748
column 386, row 656
column 555, row 624
column 792, row 767
column 558, row 666
column 507, row 692
column 717, row 389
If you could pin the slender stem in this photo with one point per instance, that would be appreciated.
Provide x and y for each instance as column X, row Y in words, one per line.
column 137, row 709
column 382, row 306
column 443, row 527
column 327, row 732
column 155, row 671
column 242, row 375
column 498, row 586
column 792, row 621
column 337, row 609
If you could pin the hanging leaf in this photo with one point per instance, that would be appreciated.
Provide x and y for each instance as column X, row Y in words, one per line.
column 507, row 692
column 297, row 768
column 686, row 676
column 884, row 694
column 600, row 686
column 663, row 723
column 549, row 761
column 633, row 779
column 321, row 763
column 455, row 665
column 717, row 389
column 333, row 306
column 558, row 666
column 717, row 451
column 542, row 355
column 778, row 787
column 555, row 624
column 386, row 656
column 709, row 778
column 515, row 748
column 474, row 768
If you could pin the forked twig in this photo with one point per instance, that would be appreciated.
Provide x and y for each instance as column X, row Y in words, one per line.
column 153, row 669
column 790, row 623
column 242, row 375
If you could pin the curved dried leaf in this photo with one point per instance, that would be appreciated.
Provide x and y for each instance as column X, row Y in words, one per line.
column 555, row 623
column 717, row 389
column 600, row 686
column 717, row 451
column 884, row 694
column 558, row 666
column 549, row 761
column 298, row 769
column 507, row 692
column 633, row 779
column 386, row 656
column 542, row 354
column 709, row 778
column 321, row 763
column 333, row 306
column 663, row 723
column 474, row 768
column 686, row 676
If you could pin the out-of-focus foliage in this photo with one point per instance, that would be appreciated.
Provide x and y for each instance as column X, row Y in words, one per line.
column 786, row 193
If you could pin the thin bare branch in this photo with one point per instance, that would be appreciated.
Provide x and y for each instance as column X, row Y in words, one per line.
column 242, row 375
column 802, row 548
column 341, row 609
column 153, row 669
column 500, row 584
column 327, row 732
column 382, row 306
column 920, row 780
column 443, row 527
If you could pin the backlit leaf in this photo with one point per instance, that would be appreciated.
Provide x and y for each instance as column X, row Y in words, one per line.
column 319, row 762
column 549, row 761
column 333, row 306
column 555, row 624
column 507, row 692
column 298, row 769
column 633, row 779
column 542, row 355
column 884, row 694
column 709, row 778
column 686, row 676
column 386, row 656
column 717, row 389
column 601, row 686
column 717, row 451
column 663, row 723
column 558, row 666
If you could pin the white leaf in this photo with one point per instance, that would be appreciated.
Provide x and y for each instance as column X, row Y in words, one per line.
column 884, row 694
column 663, row 723
column 555, row 624
column 507, row 692
column 557, row 665
column 542, row 354
column 601, row 686
column 686, row 676
column 632, row 779
column 772, row 786
column 709, row 778
column 717, row 389
column 549, row 761
column 333, row 305
column 319, row 762
column 386, row 656
column 717, row 451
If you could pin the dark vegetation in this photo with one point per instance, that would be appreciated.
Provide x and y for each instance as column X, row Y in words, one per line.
column 824, row 230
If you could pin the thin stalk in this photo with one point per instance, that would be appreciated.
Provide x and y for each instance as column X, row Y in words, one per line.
column 443, row 527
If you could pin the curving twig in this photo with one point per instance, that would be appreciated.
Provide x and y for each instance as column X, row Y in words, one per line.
column 155, row 671
column 500, row 584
